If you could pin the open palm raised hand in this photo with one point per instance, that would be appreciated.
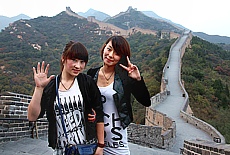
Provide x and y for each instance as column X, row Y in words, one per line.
column 40, row 75
column 132, row 70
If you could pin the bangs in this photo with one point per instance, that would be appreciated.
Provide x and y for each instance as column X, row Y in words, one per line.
column 116, row 46
column 121, row 46
column 78, row 51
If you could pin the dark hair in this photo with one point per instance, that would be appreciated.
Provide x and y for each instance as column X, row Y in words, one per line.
column 74, row 50
column 120, row 46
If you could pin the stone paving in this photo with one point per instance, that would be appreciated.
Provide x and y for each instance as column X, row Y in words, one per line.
column 173, row 103
column 29, row 146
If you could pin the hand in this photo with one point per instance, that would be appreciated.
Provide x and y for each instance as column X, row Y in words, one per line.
column 132, row 70
column 40, row 76
column 99, row 151
column 92, row 117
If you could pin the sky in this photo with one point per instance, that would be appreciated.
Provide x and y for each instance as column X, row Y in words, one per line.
column 209, row 16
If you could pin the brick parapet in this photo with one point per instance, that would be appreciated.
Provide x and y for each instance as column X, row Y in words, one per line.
column 149, row 136
column 200, row 147
column 13, row 118
column 156, row 120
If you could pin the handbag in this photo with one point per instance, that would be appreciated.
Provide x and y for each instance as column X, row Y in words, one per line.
column 87, row 149
column 70, row 149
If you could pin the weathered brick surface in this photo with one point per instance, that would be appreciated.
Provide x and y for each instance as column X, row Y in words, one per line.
column 201, row 147
column 163, row 129
column 13, row 118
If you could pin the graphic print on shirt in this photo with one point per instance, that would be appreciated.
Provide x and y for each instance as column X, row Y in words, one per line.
column 115, row 135
column 72, row 110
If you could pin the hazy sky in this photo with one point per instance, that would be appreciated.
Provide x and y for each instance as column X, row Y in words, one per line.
column 208, row 16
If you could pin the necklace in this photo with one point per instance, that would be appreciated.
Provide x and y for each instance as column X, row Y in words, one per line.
column 69, row 86
column 107, row 79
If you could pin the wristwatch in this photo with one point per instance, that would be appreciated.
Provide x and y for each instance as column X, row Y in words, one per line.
column 100, row 145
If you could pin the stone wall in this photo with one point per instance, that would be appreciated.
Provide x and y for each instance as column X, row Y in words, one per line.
column 13, row 118
column 163, row 128
column 149, row 136
column 199, row 147
column 217, row 136
column 159, row 130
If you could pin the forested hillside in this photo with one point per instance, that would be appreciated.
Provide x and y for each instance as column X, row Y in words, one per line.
column 26, row 42
column 206, row 72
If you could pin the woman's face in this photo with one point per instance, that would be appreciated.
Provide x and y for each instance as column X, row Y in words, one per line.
column 110, row 57
column 73, row 66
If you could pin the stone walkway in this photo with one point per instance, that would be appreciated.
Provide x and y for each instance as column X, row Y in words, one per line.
column 29, row 146
column 174, row 102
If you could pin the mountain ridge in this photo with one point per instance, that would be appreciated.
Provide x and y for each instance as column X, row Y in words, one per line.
column 5, row 21
column 213, row 38
column 100, row 16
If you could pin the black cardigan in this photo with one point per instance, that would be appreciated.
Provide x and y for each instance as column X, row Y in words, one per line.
column 124, row 87
column 91, row 99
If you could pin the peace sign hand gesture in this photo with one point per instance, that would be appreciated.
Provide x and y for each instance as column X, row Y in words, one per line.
column 40, row 76
column 132, row 70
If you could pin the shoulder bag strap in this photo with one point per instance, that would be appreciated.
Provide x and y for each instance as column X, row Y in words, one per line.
column 59, row 107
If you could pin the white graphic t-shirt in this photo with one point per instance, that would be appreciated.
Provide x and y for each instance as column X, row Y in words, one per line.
column 72, row 109
column 115, row 136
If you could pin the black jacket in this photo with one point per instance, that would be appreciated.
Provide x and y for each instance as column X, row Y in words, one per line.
column 125, row 86
column 91, row 98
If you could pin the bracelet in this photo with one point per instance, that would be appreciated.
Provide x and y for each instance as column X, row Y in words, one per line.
column 100, row 145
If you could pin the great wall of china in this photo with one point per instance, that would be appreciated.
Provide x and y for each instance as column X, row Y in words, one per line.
column 159, row 130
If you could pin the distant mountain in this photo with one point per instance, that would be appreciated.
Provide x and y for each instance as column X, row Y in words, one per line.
column 106, row 18
column 133, row 18
column 213, row 38
column 155, row 20
column 97, row 14
column 102, row 17
column 5, row 21
column 151, row 14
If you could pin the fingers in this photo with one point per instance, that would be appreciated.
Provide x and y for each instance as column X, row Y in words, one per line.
column 129, row 63
column 124, row 67
column 34, row 71
column 51, row 77
column 47, row 68
column 93, row 112
column 92, row 116
column 38, row 68
column 130, row 68
column 41, row 68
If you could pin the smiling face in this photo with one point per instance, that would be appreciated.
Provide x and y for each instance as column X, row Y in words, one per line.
column 114, row 48
column 73, row 66
column 110, row 56
column 74, row 58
